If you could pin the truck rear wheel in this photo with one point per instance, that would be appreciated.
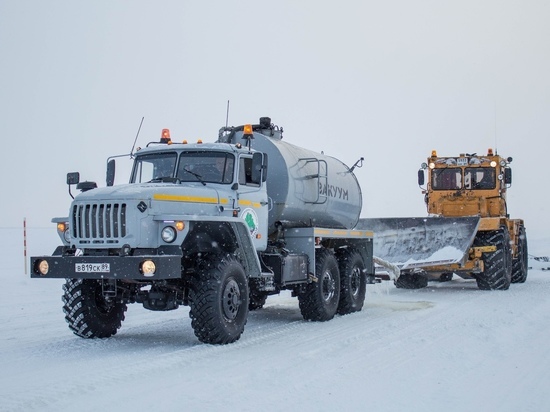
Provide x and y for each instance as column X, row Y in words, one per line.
column 219, row 300
column 88, row 313
column 353, row 282
column 520, row 264
column 497, row 272
column 319, row 300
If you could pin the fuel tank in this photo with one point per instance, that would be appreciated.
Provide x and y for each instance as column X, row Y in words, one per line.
column 305, row 188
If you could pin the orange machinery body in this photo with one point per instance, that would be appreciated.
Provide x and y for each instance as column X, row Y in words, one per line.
column 470, row 185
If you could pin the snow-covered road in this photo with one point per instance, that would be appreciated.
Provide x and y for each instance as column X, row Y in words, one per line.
column 446, row 347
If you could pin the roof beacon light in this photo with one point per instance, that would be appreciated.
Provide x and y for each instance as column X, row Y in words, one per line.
column 165, row 136
column 247, row 130
column 489, row 152
column 434, row 153
column 248, row 134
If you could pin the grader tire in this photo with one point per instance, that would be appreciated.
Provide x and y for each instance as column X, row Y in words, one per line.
column 497, row 273
column 411, row 281
column 520, row 264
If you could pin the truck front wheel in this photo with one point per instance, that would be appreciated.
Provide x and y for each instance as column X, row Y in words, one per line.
column 219, row 300
column 88, row 312
column 319, row 300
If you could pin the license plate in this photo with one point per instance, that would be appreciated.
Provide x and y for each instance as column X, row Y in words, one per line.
column 92, row 267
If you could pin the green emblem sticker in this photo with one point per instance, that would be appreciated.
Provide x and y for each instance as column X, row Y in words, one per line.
column 251, row 219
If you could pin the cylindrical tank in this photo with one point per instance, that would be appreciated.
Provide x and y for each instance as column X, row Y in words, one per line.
column 305, row 188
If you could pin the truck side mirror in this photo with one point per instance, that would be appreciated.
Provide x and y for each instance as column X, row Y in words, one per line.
column 259, row 165
column 421, row 177
column 73, row 178
column 111, row 172
column 508, row 176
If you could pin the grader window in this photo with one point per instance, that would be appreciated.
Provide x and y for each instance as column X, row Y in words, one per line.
column 479, row 178
column 447, row 179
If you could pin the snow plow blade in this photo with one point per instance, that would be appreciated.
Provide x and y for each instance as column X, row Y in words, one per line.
column 415, row 242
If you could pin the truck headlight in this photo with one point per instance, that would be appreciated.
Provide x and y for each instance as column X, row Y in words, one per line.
column 43, row 267
column 168, row 234
column 148, row 268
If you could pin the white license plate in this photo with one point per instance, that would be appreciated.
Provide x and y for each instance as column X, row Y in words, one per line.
column 92, row 267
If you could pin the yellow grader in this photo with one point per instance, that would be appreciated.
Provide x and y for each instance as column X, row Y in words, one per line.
column 468, row 232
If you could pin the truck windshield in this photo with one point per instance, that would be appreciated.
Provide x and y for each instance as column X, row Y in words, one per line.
column 475, row 178
column 153, row 167
column 213, row 167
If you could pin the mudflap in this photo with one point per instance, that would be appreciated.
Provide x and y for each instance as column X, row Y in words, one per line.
column 416, row 242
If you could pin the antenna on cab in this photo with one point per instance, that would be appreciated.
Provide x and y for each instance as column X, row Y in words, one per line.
column 227, row 115
column 135, row 140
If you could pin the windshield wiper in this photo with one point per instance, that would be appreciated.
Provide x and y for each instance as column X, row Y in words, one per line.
column 165, row 179
column 199, row 177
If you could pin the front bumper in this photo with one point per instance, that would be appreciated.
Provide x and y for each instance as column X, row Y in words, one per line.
column 168, row 266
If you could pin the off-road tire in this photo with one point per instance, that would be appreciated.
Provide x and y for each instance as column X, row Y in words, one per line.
column 88, row 313
column 353, row 281
column 411, row 281
column 497, row 272
column 520, row 264
column 219, row 300
column 319, row 300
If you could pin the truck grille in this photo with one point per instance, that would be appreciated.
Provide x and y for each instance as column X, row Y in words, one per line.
column 98, row 222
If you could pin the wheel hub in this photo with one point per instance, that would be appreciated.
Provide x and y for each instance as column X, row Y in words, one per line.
column 329, row 286
column 231, row 299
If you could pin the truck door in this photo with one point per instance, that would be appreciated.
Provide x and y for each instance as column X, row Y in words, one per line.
column 252, row 197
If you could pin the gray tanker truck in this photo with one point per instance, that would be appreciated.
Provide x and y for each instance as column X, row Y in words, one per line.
column 215, row 226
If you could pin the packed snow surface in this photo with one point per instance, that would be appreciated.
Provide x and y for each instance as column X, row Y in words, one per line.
column 447, row 347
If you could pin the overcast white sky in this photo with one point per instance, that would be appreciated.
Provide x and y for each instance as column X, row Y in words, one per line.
column 387, row 80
